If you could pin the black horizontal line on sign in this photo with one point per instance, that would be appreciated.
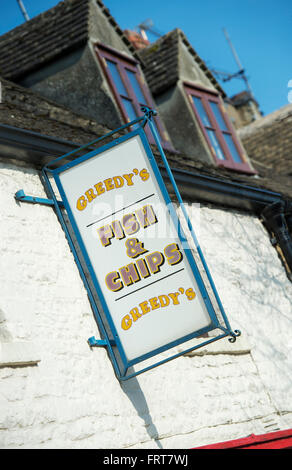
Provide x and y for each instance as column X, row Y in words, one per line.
column 144, row 287
column 126, row 207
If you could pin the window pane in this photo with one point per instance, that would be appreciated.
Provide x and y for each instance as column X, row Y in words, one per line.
column 232, row 149
column 131, row 113
column 201, row 110
column 218, row 115
column 136, row 86
column 116, row 78
column 215, row 143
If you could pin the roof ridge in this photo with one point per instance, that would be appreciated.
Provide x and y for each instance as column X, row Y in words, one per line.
column 44, row 106
column 26, row 39
column 161, row 62
column 269, row 119
column 175, row 35
column 116, row 26
column 202, row 64
column 35, row 20
column 49, row 34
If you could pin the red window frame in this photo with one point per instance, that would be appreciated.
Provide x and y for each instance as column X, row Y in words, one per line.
column 124, row 64
column 207, row 97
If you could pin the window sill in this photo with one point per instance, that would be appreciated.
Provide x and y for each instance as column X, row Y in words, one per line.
column 238, row 167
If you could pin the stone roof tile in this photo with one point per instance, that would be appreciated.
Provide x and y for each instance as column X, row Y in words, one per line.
column 25, row 109
column 268, row 141
column 160, row 62
column 43, row 38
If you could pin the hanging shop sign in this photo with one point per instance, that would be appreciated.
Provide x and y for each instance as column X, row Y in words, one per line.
column 137, row 258
column 144, row 282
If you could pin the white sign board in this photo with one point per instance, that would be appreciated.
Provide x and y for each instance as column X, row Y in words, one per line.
column 134, row 249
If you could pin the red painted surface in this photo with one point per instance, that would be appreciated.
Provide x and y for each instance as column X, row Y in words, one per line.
column 136, row 39
column 272, row 440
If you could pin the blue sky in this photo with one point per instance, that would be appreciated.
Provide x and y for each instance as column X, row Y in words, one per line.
column 260, row 30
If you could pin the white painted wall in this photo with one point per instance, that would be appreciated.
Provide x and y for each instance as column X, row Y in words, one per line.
column 66, row 395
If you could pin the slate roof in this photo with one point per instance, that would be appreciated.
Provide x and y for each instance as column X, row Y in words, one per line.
column 66, row 27
column 24, row 109
column 160, row 62
column 44, row 37
column 268, row 142
column 49, row 35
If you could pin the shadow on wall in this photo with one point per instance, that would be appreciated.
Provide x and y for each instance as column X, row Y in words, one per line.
column 5, row 334
column 133, row 391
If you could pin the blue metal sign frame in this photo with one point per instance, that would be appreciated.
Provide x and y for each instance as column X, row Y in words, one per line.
column 110, row 338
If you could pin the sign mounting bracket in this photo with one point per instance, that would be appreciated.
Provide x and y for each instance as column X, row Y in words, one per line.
column 92, row 341
column 21, row 196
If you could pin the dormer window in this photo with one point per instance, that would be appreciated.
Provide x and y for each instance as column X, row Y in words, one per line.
column 129, row 88
column 217, row 129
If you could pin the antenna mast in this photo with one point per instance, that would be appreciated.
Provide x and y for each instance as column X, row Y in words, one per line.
column 147, row 25
column 23, row 10
column 241, row 71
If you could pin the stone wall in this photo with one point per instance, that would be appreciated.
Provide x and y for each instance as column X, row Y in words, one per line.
column 184, row 129
column 76, row 81
column 58, row 393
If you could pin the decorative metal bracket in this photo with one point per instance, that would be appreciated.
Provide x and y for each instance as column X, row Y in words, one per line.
column 21, row 196
column 149, row 112
column 234, row 334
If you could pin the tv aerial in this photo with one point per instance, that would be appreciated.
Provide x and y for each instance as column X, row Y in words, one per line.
column 225, row 76
column 148, row 25
column 23, row 10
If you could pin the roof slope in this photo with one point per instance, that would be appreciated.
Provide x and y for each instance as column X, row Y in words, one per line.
column 49, row 35
column 268, row 141
column 161, row 62
column 44, row 37
column 24, row 109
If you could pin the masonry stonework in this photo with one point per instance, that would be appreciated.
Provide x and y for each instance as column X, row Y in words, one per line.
column 70, row 398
